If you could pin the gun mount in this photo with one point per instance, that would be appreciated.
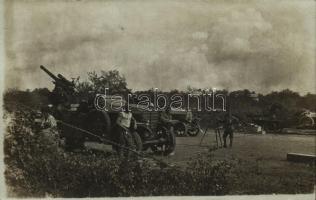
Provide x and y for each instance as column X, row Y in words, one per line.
column 72, row 107
column 60, row 81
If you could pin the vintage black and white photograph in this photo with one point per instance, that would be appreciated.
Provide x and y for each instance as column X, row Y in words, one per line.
column 147, row 98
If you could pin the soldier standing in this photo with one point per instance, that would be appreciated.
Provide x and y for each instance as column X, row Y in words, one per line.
column 228, row 130
column 166, row 118
column 189, row 117
column 167, row 121
column 125, row 125
column 125, row 119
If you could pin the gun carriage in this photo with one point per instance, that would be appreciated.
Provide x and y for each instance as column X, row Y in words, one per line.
column 78, row 111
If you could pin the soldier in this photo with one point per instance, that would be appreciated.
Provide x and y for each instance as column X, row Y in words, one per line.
column 167, row 121
column 125, row 119
column 228, row 130
column 49, row 134
column 189, row 117
column 48, row 121
column 125, row 125
column 166, row 118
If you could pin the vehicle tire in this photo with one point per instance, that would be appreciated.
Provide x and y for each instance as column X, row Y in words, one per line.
column 273, row 127
column 145, row 134
column 180, row 129
column 169, row 145
column 193, row 131
column 194, row 128
column 306, row 122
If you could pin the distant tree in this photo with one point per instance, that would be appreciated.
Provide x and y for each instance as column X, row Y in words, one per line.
column 308, row 102
column 41, row 91
column 84, row 88
column 13, row 98
column 287, row 98
column 108, row 79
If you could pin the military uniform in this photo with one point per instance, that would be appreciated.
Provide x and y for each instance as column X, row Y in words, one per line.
column 228, row 130
column 49, row 122
column 49, row 135
column 165, row 117
column 124, row 119
column 125, row 125
column 189, row 117
column 167, row 121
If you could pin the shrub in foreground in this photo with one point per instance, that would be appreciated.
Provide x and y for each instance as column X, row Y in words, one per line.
column 36, row 169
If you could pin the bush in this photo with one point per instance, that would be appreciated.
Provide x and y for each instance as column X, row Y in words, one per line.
column 35, row 169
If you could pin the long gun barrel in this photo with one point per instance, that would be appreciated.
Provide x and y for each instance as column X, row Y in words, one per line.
column 61, row 77
column 49, row 73
column 60, row 81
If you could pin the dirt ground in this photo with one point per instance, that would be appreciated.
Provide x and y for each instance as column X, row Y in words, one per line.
column 272, row 147
column 261, row 167
column 258, row 162
column 252, row 147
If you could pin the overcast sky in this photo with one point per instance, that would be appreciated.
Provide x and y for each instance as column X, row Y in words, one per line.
column 259, row 45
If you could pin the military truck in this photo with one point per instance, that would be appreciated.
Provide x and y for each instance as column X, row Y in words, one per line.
column 187, row 125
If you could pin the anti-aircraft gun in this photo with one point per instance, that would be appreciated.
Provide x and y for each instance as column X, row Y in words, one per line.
column 64, row 91
column 60, row 80
column 72, row 109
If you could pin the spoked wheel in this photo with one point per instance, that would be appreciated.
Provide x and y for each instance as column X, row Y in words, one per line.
column 169, row 145
column 180, row 129
column 145, row 134
column 273, row 127
column 193, row 130
column 306, row 122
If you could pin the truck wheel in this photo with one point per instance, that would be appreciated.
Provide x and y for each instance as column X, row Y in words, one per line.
column 193, row 131
column 145, row 135
column 170, row 141
column 180, row 129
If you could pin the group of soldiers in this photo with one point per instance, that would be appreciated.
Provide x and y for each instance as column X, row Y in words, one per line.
column 126, row 122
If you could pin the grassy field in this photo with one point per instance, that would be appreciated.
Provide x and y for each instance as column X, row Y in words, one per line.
column 272, row 147
column 261, row 165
